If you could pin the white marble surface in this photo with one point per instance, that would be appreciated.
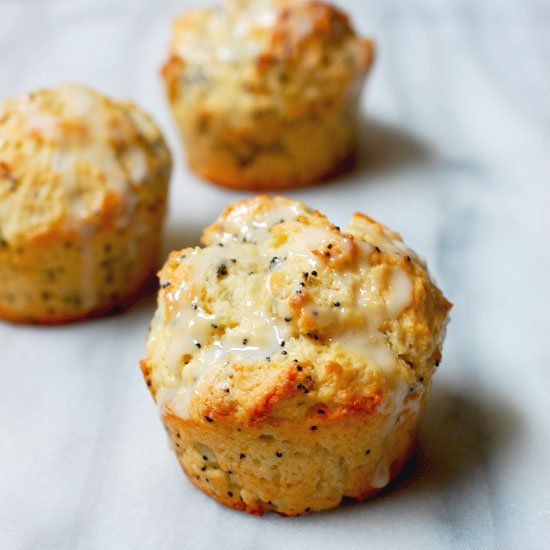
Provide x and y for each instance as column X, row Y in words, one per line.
column 456, row 158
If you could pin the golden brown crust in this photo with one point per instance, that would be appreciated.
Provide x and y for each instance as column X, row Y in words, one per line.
column 114, row 307
column 364, row 493
column 221, row 472
column 44, row 283
column 231, row 177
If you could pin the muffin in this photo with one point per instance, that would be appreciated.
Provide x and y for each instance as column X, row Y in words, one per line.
column 265, row 92
column 291, row 360
column 83, row 183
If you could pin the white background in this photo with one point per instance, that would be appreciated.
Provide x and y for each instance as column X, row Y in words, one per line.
column 456, row 157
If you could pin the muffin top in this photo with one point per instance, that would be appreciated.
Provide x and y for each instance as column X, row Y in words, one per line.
column 282, row 315
column 263, row 54
column 72, row 159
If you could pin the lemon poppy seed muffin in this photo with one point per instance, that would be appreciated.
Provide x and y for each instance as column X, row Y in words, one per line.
column 265, row 92
column 291, row 360
column 83, row 183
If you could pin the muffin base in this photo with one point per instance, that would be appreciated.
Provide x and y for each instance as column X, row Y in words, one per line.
column 271, row 152
column 239, row 180
column 111, row 308
column 289, row 468
column 63, row 276
column 367, row 492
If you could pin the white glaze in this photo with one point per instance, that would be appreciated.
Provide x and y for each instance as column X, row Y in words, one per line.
column 381, row 475
column 192, row 326
column 233, row 32
column 403, row 403
column 200, row 351
column 43, row 123
column 241, row 224
column 84, row 141
column 259, row 336
column 381, row 236
column 399, row 293
column 136, row 164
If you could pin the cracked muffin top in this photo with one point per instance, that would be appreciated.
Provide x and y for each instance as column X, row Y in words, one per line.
column 266, row 55
column 282, row 314
column 72, row 159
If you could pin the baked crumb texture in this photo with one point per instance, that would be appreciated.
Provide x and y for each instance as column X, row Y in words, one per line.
column 291, row 360
column 83, row 182
column 265, row 92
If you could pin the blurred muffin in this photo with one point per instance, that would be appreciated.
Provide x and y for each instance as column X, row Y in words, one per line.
column 291, row 360
column 83, row 182
column 265, row 92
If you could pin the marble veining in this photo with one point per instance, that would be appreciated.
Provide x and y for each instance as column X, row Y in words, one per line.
column 455, row 156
